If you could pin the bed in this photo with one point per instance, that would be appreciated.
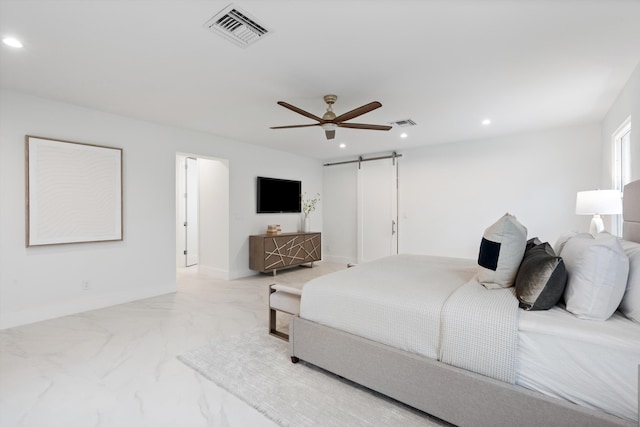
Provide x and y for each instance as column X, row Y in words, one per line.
column 535, row 368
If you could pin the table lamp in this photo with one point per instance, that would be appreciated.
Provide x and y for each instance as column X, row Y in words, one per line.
column 596, row 203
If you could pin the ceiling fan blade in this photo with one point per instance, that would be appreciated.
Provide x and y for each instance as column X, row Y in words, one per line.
column 293, row 126
column 299, row 111
column 330, row 134
column 357, row 112
column 363, row 126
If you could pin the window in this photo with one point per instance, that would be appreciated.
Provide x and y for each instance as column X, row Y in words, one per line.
column 621, row 165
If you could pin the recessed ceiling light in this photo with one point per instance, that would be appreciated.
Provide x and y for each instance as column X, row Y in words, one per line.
column 403, row 135
column 486, row 122
column 13, row 42
column 343, row 145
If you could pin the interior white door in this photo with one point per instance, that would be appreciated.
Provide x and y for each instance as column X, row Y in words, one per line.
column 191, row 212
column 377, row 209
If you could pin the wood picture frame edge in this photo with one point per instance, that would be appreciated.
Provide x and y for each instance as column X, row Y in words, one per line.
column 28, row 243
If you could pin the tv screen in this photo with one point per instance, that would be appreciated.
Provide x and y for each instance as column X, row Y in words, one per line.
column 278, row 195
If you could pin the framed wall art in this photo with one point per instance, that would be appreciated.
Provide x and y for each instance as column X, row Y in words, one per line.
column 73, row 192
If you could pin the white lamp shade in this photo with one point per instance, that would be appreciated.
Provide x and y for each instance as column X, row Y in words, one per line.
column 601, row 202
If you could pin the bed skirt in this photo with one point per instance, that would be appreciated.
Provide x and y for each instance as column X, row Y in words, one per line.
column 455, row 395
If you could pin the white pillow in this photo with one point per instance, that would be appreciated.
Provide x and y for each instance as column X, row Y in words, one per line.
column 564, row 238
column 501, row 252
column 630, row 305
column 598, row 271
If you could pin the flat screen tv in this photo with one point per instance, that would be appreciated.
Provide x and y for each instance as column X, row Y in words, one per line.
column 278, row 195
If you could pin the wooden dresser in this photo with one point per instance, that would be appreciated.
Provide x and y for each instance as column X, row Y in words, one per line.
column 271, row 253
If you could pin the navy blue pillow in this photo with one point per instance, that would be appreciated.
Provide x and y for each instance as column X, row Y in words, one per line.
column 489, row 254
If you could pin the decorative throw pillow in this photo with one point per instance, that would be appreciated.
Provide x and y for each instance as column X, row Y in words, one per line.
column 501, row 251
column 565, row 237
column 541, row 278
column 630, row 305
column 598, row 271
column 562, row 240
column 532, row 243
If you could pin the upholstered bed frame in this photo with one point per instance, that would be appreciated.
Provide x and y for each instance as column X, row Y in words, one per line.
column 455, row 395
column 631, row 212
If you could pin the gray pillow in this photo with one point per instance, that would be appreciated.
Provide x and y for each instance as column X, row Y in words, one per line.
column 531, row 243
column 598, row 271
column 501, row 250
column 541, row 278
column 630, row 304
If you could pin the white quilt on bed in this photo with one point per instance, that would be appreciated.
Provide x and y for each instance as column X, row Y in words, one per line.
column 360, row 302
column 480, row 331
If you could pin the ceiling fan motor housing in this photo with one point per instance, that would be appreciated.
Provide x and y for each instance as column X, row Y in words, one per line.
column 329, row 115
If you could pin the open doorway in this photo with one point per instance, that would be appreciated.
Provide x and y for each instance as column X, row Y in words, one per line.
column 202, row 214
column 191, row 222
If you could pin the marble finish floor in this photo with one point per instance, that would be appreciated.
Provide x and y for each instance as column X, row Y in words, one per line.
column 117, row 366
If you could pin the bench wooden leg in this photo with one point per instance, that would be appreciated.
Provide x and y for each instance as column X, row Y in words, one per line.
column 272, row 326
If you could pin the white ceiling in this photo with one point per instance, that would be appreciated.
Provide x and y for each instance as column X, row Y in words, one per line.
column 525, row 64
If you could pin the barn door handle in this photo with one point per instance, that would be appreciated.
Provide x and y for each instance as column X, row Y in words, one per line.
column 393, row 227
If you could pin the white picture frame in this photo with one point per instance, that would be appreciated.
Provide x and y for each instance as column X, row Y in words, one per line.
column 73, row 192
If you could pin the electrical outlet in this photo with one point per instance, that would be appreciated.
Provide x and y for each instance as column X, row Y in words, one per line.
column 84, row 285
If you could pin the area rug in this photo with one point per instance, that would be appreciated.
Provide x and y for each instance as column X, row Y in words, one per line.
column 256, row 368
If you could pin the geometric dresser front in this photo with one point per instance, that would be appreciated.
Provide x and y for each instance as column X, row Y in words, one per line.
column 271, row 253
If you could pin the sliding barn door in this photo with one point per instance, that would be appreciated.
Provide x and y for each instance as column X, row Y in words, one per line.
column 377, row 209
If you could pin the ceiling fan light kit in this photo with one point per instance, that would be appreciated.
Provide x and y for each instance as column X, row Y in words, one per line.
column 329, row 121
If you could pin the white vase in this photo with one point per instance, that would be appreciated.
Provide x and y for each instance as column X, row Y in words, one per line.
column 306, row 224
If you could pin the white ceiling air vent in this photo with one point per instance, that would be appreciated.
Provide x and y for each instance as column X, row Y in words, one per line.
column 403, row 123
column 237, row 26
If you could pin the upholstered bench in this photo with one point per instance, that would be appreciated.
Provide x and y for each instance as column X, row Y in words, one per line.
column 284, row 299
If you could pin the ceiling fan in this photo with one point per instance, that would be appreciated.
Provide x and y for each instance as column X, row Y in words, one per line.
column 329, row 121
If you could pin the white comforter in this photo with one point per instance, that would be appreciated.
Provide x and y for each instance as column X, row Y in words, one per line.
column 407, row 318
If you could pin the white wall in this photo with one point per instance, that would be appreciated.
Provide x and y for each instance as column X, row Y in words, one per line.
column 448, row 194
column 44, row 282
column 213, row 176
column 627, row 104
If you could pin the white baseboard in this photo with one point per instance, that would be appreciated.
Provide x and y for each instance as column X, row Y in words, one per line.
column 338, row 259
column 79, row 305
column 239, row 274
column 213, row 272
